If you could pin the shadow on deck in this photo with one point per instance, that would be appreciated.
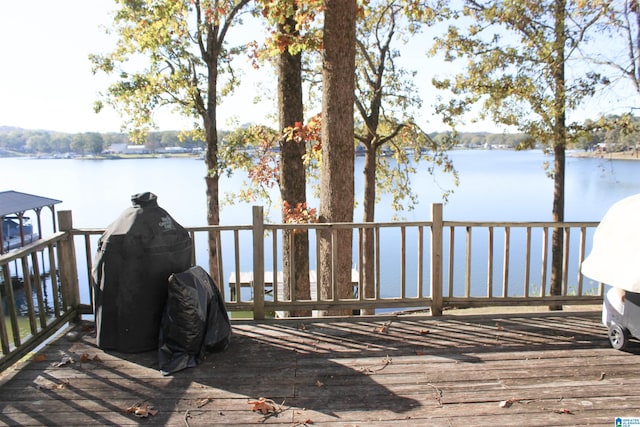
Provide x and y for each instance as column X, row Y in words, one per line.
column 551, row 368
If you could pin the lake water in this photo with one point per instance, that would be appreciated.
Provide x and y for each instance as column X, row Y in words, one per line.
column 494, row 185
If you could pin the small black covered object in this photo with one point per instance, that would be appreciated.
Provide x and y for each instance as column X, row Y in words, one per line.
column 195, row 321
column 136, row 255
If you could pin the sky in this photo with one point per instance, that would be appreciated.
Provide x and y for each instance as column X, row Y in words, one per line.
column 46, row 80
column 45, row 74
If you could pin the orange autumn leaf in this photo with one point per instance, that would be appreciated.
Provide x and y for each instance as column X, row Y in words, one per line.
column 263, row 405
column 39, row 357
column 141, row 411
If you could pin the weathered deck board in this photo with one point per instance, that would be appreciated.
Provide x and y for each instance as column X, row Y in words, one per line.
column 557, row 368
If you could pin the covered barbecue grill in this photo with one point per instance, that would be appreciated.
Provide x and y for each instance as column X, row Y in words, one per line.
column 136, row 255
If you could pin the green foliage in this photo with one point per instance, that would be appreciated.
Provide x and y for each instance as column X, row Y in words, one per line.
column 515, row 54
column 387, row 99
column 165, row 58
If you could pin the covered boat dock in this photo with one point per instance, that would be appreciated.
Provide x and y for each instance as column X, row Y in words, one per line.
column 15, row 231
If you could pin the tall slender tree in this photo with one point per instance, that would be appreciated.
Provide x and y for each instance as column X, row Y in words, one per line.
column 517, row 55
column 386, row 100
column 171, row 53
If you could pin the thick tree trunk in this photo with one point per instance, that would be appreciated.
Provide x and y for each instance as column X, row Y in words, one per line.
column 336, row 176
column 295, row 244
column 559, row 143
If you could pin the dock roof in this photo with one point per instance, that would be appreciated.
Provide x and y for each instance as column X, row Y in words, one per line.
column 14, row 202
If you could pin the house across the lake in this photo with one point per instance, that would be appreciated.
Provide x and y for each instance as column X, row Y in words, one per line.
column 17, row 228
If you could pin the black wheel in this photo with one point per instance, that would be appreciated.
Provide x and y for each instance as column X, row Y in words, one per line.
column 618, row 336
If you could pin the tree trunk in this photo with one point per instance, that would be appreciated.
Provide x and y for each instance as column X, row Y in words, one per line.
column 213, row 176
column 559, row 143
column 295, row 244
column 336, row 175
column 368, row 237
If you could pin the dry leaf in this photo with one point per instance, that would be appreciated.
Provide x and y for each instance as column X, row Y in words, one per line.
column 263, row 405
column 84, row 358
column 319, row 383
column 507, row 403
column 66, row 360
column 96, row 358
column 201, row 402
column 142, row 411
column 39, row 357
column 424, row 331
column 383, row 329
column 564, row 411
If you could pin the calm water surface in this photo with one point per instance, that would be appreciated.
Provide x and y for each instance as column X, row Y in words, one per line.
column 494, row 186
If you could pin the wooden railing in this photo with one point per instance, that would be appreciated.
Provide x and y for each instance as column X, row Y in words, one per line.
column 430, row 265
column 40, row 292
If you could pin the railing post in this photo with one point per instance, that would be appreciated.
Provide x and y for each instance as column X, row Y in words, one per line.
column 436, row 259
column 67, row 262
column 258, row 264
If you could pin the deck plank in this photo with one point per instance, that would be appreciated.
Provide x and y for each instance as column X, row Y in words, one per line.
column 555, row 368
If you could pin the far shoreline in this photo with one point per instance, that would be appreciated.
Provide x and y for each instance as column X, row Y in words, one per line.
column 619, row 155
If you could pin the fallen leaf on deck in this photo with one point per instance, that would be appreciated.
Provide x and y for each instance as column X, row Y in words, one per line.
column 142, row 410
column 424, row 331
column 264, row 406
column 499, row 326
column 319, row 383
column 60, row 386
column 39, row 357
column 66, row 360
column 86, row 358
column 507, row 403
column 383, row 329
column 563, row 411
column 201, row 402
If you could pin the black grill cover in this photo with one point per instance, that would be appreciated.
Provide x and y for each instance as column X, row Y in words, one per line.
column 195, row 321
column 136, row 255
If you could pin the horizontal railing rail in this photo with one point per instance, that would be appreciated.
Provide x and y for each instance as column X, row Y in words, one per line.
column 429, row 265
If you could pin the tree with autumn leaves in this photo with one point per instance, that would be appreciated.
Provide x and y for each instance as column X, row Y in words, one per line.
column 182, row 45
column 517, row 57
column 171, row 53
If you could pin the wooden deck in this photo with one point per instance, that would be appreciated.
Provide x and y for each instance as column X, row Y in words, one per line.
column 534, row 369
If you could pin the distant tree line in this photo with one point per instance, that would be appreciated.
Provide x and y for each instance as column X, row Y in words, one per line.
column 612, row 134
column 24, row 141
column 617, row 134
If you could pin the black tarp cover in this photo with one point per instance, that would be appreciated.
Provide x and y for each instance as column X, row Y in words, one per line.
column 136, row 255
column 195, row 321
